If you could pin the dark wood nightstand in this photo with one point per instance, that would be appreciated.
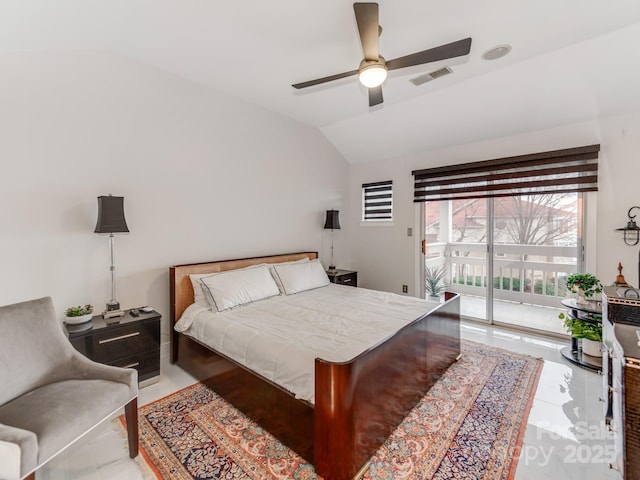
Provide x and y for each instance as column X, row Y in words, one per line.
column 343, row 277
column 127, row 341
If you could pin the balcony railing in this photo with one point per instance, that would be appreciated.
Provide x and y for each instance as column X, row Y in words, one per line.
column 533, row 274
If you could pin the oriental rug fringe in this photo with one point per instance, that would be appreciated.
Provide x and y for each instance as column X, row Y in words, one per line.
column 468, row 426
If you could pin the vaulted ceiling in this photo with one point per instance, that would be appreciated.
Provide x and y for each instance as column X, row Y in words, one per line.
column 571, row 60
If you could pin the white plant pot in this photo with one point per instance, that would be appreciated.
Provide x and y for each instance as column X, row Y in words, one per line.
column 581, row 300
column 76, row 320
column 591, row 348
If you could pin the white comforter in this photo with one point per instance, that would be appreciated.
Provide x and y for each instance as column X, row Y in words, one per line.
column 280, row 337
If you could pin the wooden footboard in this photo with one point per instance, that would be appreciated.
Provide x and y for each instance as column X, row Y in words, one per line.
column 359, row 403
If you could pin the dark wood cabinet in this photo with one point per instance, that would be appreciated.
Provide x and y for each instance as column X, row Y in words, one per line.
column 128, row 341
column 621, row 371
column 343, row 277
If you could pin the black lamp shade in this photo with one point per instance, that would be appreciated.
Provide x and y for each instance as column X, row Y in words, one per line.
column 111, row 215
column 333, row 220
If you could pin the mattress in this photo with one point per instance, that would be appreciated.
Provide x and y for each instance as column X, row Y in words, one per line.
column 280, row 337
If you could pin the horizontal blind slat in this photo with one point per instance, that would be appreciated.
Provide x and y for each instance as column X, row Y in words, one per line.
column 581, row 170
column 541, row 158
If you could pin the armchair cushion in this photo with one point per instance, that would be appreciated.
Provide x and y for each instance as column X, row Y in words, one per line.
column 34, row 348
column 61, row 412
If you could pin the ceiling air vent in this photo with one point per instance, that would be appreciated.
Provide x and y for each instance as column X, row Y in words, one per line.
column 427, row 77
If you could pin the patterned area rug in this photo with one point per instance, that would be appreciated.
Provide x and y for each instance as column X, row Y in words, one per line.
column 468, row 426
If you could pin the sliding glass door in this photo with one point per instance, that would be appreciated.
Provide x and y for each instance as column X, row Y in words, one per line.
column 507, row 256
column 537, row 242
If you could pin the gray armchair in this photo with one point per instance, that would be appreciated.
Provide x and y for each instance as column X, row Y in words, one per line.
column 51, row 395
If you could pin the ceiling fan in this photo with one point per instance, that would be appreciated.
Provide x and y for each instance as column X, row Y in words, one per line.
column 373, row 68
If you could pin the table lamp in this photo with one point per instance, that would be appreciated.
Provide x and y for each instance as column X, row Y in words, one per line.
column 110, row 221
column 332, row 223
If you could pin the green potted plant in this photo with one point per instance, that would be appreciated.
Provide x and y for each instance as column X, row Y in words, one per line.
column 78, row 314
column 433, row 281
column 590, row 333
column 585, row 285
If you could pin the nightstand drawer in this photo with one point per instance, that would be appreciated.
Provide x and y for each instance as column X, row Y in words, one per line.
column 147, row 364
column 347, row 279
column 111, row 344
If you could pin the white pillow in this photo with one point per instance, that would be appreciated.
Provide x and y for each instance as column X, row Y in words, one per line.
column 298, row 277
column 229, row 289
column 198, row 292
column 275, row 275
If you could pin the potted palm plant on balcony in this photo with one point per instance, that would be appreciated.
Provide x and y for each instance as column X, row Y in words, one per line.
column 433, row 281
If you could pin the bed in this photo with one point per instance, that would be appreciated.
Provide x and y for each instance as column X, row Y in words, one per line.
column 357, row 403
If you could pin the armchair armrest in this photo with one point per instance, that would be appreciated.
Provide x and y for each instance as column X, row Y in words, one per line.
column 82, row 367
column 18, row 452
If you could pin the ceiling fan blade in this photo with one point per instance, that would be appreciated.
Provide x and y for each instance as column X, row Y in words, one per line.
column 319, row 81
column 368, row 28
column 375, row 96
column 450, row 50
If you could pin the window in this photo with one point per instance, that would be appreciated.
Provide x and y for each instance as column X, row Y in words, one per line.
column 377, row 201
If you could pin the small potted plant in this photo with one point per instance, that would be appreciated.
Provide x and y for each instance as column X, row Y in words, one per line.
column 433, row 285
column 78, row 314
column 585, row 285
column 590, row 333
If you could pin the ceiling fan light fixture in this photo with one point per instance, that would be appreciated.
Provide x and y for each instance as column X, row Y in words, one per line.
column 372, row 71
column 372, row 75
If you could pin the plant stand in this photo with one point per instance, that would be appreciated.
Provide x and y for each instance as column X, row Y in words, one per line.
column 591, row 312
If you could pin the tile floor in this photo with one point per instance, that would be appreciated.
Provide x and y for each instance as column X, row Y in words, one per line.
column 536, row 317
column 565, row 437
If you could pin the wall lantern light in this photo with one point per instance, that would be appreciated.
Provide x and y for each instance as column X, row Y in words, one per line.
column 631, row 233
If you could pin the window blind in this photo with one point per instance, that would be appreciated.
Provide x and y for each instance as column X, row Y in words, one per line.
column 557, row 171
column 377, row 201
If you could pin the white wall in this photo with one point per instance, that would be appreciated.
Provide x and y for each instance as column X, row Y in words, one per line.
column 204, row 177
column 386, row 257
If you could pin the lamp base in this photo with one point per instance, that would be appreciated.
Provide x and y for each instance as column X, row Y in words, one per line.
column 112, row 314
column 332, row 267
column 113, row 305
column 113, row 310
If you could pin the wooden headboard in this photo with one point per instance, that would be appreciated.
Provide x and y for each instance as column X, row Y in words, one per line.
column 182, row 289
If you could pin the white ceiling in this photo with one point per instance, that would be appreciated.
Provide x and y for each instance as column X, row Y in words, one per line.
column 572, row 60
